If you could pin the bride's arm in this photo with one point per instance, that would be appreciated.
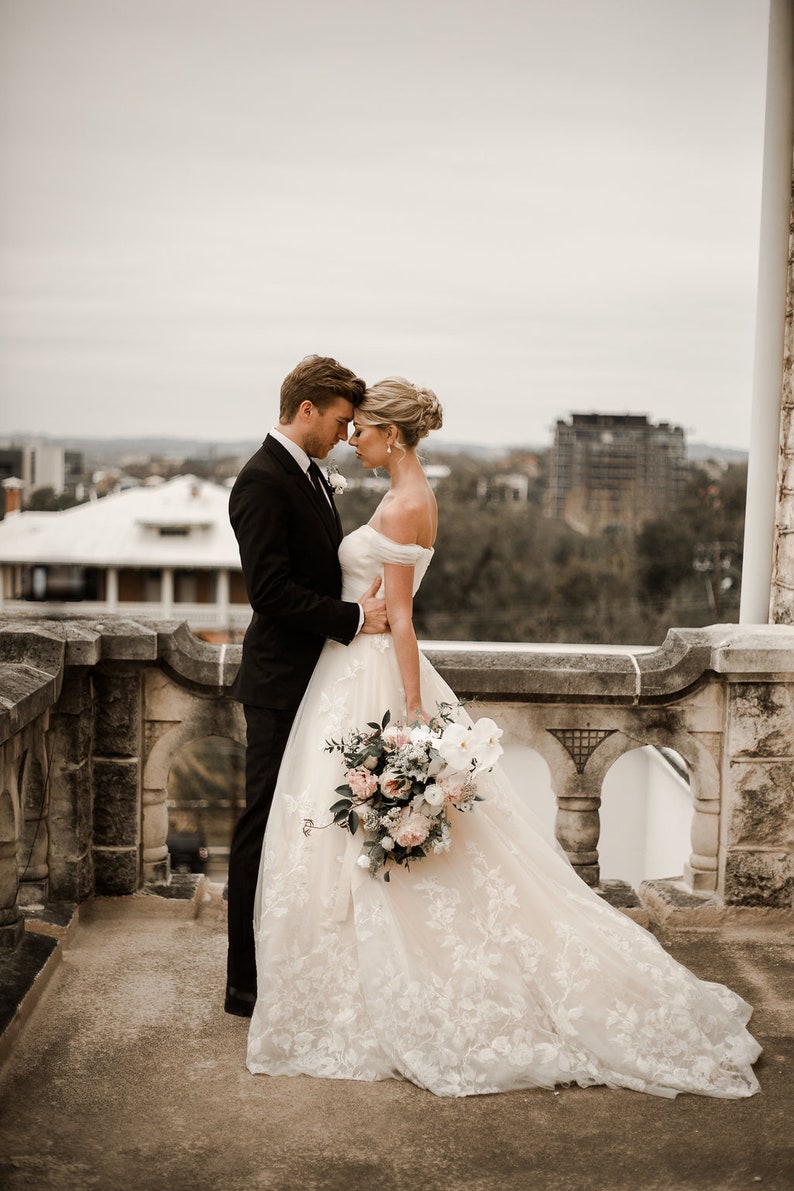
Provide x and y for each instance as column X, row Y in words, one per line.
column 398, row 581
column 401, row 523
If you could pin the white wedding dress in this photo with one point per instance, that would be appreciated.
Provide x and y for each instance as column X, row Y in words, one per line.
column 487, row 968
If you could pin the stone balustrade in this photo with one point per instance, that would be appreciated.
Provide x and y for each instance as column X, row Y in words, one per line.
column 93, row 713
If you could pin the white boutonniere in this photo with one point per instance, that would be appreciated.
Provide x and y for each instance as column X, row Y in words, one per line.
column 337, row 481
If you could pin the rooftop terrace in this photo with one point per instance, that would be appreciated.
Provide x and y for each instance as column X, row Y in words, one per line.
column 126, row 1073
column 120, row 1067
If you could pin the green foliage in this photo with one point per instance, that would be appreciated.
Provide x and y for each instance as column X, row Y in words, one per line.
column 665, row 552
column 46, row 500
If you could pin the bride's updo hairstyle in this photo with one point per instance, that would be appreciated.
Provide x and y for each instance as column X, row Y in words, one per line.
column 395, row 401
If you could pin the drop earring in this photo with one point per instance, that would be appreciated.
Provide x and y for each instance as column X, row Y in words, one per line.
column 388, row 448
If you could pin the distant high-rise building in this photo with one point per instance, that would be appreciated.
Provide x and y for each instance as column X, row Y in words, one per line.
column 614, row 470
column 41, row 464
column 49, row 465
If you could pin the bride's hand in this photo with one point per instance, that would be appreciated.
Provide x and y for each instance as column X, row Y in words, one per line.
column 375, row 618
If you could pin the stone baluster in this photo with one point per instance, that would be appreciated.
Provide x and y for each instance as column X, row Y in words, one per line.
column 578, row 826
column 578, row 822
column 34, row 806
column 11, row 924
column 700, row 871
column 156, row 864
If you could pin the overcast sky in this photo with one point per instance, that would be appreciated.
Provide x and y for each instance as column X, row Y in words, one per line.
column 531, row 206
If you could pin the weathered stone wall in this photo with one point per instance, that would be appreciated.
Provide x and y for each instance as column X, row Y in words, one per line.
column 85, row 707
column 759, row 791
column 93, row 715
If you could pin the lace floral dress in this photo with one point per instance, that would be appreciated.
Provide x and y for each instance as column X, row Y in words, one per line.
column 487, row 968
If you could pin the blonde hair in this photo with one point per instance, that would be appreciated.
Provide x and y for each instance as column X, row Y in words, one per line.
column 395, row 401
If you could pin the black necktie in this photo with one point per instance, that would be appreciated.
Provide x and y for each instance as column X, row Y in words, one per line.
column 315, row 475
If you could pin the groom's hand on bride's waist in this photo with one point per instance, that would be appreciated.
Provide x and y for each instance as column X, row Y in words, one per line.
column 374, row 609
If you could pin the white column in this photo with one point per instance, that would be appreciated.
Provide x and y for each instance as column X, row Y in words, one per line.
column 222, row 598
column 759, row 533
column 167, row 593
column 112, row 589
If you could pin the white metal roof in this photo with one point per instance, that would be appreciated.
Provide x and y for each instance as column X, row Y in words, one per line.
column 182, row 523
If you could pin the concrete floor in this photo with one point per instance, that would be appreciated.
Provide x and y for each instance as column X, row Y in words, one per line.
column 126, row 1074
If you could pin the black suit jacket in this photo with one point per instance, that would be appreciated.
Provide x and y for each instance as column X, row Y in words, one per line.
column 288, row 535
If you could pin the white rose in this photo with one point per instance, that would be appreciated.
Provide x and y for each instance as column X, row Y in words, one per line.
column 335, row 478
column 387, row 843
column 363, row 861
column 434, row 795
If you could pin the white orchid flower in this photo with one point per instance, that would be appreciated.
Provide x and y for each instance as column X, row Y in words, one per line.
column 485, row 744
column 455, row 747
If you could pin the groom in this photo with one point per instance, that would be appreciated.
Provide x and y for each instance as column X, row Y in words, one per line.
column 282, row 512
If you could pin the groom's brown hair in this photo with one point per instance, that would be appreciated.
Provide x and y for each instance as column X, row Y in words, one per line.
column 321, row 380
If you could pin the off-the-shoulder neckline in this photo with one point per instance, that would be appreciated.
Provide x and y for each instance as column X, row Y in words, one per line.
column 402, row 545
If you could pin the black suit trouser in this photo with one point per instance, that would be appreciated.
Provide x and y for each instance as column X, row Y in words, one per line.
column 267, row 730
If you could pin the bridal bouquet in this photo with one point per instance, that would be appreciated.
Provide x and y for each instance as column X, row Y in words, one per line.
column 403, row 780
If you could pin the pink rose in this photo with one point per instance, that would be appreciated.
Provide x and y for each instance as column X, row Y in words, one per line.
column 454, row 788
column 393, row 784
column 411, row 829
column 362, row 783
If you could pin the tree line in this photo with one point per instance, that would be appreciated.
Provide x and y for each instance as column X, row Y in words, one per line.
column 503, row 571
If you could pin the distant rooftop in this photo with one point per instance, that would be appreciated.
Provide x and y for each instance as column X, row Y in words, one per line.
column 182, row 522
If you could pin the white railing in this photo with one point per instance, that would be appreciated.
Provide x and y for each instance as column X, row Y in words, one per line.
column 199, row 617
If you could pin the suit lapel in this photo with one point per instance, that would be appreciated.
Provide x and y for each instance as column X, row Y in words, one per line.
column 297, row 476
column 323, row 501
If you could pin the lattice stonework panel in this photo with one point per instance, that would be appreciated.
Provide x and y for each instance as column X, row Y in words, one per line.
column 581, row 743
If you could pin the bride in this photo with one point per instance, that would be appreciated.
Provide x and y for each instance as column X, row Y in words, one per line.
column 486, row 967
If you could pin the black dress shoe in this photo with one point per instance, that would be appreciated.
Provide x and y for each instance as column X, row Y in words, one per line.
column 239, row 1002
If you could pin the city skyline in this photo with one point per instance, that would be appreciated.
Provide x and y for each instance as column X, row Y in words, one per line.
column 534, row 209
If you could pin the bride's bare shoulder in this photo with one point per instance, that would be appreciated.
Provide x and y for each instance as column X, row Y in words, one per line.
column 406, row 519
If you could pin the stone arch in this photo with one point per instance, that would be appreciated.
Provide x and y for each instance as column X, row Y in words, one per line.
column 521, row 730
column 206, row 722
column 702, row 866
column 579, row 759
column 703, row 770
column 645, row 817
column 206, row 794
column 203, row 718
